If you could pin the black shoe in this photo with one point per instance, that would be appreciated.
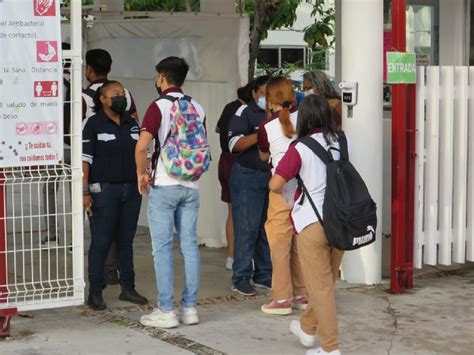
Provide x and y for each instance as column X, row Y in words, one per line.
column 244, row 288
column 111, row 278
column 96, row 302
column 133, row 297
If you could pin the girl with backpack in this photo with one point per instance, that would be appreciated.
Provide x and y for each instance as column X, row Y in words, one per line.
column 275, row 135
column 320, row 261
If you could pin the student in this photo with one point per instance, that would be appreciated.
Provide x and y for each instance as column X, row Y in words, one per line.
column 274, row 137
column 173, row 202
column 249, row 194
column 226, row 162
column 98, row 66
column 110, row 191
column 317, row 82
column 320, row 262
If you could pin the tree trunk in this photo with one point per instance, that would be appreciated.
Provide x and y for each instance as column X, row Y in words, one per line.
column 187, row 4
column 256, row 32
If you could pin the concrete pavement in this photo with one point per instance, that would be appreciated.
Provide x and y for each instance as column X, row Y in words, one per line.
column 436, row 317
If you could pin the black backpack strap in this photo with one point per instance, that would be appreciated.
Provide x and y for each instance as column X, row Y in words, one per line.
column 343, row 146
column 168, row 97
column 89, row 92
column 308, row 196
column 317, row 149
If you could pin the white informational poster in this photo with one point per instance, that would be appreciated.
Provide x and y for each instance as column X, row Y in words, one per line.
column 31, row 83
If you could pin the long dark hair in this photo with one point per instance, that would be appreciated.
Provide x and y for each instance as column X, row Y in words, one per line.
column 314, row 112
column 97, row 103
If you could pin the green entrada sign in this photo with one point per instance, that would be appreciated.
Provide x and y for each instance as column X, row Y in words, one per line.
column 401, row 68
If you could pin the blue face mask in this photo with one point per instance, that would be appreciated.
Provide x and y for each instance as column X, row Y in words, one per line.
column 262, row 102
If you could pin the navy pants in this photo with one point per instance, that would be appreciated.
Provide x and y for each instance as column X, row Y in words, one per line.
column 115, row 212
column 249, row 193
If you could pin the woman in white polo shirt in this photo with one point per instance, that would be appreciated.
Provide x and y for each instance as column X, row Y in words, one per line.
column 320, row 261
column 275, row 135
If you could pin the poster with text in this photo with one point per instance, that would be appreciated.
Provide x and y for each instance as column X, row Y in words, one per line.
column 31, row 83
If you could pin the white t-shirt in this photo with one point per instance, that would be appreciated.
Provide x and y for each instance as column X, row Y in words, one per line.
column 157, row 121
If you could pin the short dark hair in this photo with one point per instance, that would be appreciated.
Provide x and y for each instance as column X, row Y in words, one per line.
column 244, row 93
column 99, row 60
column 259, row 82
column 314, row 112
column 174, row 69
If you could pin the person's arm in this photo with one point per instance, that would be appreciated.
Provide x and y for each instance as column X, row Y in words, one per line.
column 88, row 152
column 149, row 130
column 244, row 143
column 86, row 197
column 240, row 133
column 142, row 162
column 276, row 184
column 262, row 142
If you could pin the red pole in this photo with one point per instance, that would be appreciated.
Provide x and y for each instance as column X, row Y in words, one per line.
column 403, row 148
column 7, row 313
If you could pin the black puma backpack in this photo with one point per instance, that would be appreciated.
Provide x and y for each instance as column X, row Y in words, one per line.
column 350, row 214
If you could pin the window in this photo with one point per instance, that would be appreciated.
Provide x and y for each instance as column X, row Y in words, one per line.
column 293, row 56
column 268, row 57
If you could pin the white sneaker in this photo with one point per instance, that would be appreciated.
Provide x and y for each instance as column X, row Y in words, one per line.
column 320, row 351
column 189, row 316
column 160, row 319
column 229, row 262
column 305, row 339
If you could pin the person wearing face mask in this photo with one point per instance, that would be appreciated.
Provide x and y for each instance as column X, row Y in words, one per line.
column 317, row 82
column 249, row 195
column 98, row 66
column 110, row 190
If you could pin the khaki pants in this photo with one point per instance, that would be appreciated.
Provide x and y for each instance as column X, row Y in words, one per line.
column 320, row 263
column 287, row 278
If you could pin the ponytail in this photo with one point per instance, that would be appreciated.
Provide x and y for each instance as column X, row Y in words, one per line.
column 284, row 118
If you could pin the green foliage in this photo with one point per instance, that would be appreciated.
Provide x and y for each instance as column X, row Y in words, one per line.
column 160, row 5
column 278, row 13
column 317, row 34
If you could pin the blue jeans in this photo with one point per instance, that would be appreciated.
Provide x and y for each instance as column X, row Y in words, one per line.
column 174, row 206
column 249, row 194
column 115, row 216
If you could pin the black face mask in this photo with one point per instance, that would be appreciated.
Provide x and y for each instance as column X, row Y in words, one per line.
column 119, row 104
column 158, row 90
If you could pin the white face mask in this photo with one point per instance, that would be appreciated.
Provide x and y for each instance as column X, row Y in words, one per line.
column 262, row 102
column 308, row 92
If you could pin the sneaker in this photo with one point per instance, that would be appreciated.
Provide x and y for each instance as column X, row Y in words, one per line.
column 244, row 288
column 49, row 241
column 305, row 339
column 281, row 308
column 300, row 302
column 112, row 278
column 160, row 319
column 188, row 315
column 96, row 302
column 267, row 284
column 133, row 296
column 229, row 262
column 320, row 351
